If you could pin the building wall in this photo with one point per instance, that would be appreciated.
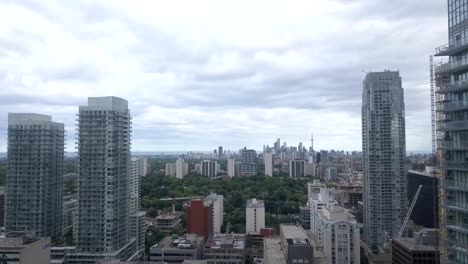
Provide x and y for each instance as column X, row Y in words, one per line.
column 104, row 168
column 200, row 218
column 35, row 174
column 296, row 168
column 452, row 128
column 218, row 211
column 231, row 167
column 255, row 218
column 268, row 160
column 426, row 209
column 384, row 156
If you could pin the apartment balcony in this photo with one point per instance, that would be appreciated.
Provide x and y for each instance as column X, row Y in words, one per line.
column 455, row 186
column 456, row 245
column 453, row 145
column 452, row 67
column 453, row 48
column 458, row 227
column 456, row 206
column 451, row 87
column 456, row 165
column 453, row 125
column 450, row 106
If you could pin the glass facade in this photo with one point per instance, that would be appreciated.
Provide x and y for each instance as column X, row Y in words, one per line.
column 451, row 81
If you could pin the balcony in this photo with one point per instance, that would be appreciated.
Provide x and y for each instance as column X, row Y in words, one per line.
column 456, row 245
column 452, row 67
column 451, row 87
column 455, row 186
column 453, row 145
column 451, row 49
column 459, row 227
column 453, row 205
column 456, row 165
column 453, row 125
column 450, row 106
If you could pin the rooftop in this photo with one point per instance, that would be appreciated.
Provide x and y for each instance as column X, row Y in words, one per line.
column 292, row 232
column 187, row 241
column 272, row 251
column 235, row 241
column 411, row 244
column 167, row 217
column 255, row 203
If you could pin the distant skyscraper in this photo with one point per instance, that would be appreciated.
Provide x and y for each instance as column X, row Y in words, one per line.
column 209, row 168
column 231, row 167
column 181, row 168
column 220, row 152
column 452, row 133
column 296, row 168
column 384, row 157
column 35, row 175
column 103, row 183
column 278, row 145
column 299, row 147
column 268, row 160
column 248, row 165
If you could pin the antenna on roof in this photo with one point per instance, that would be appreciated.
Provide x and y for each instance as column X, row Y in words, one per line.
column 366, row 72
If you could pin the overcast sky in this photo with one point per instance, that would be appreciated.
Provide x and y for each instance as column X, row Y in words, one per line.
column 198, row 74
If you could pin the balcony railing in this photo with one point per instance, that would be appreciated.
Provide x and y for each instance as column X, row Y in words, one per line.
column 450, row 87
column 452, row 48
column 454, row 145
column 452, row 66
column 460, row 227
column 456, row 165
column 456, row 245
column 453, row 125
column 450, row 106
column 454, row 185
column 454, row 205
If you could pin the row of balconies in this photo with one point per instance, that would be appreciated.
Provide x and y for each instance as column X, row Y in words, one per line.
column 452, row 125
column 450, row 106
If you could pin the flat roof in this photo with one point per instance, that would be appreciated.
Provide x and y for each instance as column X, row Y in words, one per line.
column 272, row 253
column 233, row 241
column 293, row 232
column 172, row 243
column 410, row 244
column 254, row 203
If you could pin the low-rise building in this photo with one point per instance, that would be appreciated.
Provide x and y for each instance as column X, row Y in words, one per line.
column 175, row 250
column 218, row 210
column 334, row 229
column 225, row 249
column 254, row 216
column 420, row 249
column 296, row 245
column 18, row 247
column 167, row 222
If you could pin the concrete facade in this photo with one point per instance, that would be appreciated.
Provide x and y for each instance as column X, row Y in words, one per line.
column 254, row 216
column 102, row 227
column 34, row 200
column 384, row 157
column 268, row 160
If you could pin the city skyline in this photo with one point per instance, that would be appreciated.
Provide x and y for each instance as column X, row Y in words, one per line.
column 260, row 72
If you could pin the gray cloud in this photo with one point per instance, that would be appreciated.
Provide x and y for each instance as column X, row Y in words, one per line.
column 237, row 75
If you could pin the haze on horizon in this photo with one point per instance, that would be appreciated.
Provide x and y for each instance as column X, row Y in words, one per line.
column 199, row 74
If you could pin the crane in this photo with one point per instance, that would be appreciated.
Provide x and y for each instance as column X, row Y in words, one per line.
column 408, row 214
